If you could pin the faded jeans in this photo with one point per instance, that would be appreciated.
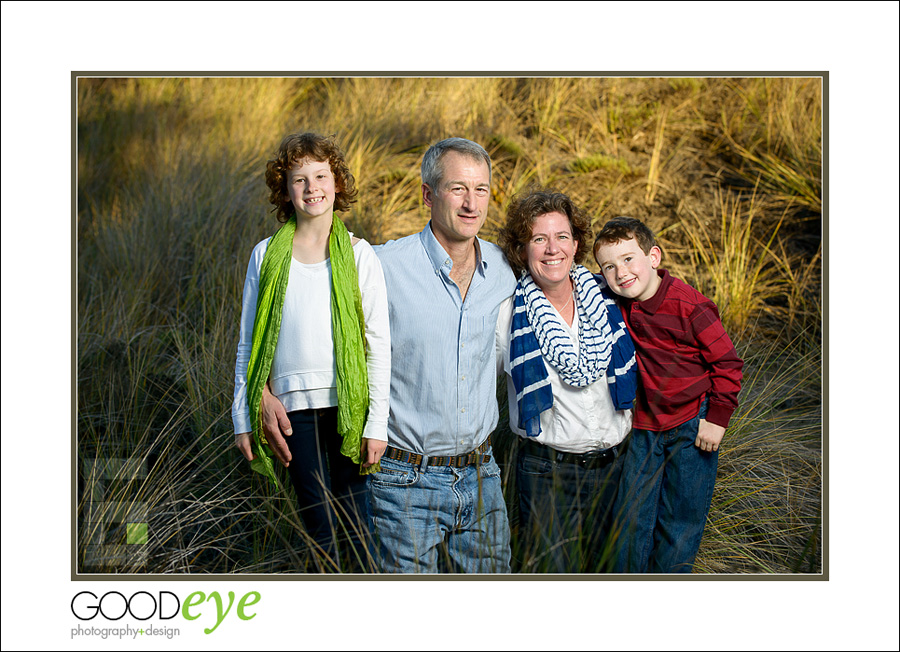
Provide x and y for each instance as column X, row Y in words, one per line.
column 439, row 518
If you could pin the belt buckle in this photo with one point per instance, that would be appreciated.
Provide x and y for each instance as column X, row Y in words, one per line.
column 585, row 459
column 598, row 456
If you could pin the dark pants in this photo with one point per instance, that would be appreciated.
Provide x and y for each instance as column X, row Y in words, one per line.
column 566, row 512
column 667, row 487
column 330, row 491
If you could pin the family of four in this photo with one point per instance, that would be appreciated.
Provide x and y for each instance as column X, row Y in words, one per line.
column 371, row 374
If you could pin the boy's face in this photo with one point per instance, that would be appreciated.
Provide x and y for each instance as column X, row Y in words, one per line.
column 629, row 271
column 311, row 188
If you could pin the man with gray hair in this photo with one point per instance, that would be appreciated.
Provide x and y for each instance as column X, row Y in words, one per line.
column 439, row 485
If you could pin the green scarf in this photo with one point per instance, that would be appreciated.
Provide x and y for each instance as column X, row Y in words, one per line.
column 349, row 340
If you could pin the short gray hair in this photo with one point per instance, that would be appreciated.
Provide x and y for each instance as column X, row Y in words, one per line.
column 433, row 169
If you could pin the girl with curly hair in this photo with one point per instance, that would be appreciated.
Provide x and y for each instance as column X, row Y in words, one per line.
column 314, row 335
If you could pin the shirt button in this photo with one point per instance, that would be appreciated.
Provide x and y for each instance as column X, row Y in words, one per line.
column 462, row 377
column 463, row 410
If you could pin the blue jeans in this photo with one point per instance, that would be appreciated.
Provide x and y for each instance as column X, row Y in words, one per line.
column 331, row 493
column 566, row 513
column 418, row 512
column 664, row 497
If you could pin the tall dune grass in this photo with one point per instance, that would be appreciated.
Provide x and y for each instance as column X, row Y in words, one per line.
column 171, row 200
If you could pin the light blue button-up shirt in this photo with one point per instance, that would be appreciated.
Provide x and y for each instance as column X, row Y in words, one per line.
column 443, row 370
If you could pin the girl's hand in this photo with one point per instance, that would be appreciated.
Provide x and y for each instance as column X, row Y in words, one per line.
column 242, row 441
column 372, row 450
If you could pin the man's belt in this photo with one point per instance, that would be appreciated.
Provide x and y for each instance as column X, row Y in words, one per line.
column 476, row 456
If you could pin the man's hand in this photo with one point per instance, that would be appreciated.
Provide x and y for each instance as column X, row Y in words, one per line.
column 372, row 450
column 242, row 441
column 276, row 425
column 709, row 436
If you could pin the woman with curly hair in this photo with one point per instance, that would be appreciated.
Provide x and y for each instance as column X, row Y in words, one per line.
column 314, row 333
column 571, row 381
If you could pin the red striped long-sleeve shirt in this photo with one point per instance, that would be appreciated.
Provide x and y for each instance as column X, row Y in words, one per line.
column 683, row 354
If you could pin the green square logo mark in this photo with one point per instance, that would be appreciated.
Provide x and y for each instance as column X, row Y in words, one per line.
column 136, row 533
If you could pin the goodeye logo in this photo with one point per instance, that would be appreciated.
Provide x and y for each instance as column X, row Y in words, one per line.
column 165, row 605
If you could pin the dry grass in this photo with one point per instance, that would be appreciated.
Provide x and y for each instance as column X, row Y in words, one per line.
column 171, row 200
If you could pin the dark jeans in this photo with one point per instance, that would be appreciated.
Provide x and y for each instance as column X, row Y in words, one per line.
column 667, row 487
column 330, row 491
column 566, row 513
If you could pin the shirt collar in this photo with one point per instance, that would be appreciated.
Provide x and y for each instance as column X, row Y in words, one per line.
column 652, row 304
column 440, row 258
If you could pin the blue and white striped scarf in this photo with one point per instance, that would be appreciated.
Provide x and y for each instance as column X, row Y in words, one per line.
column 604, row 346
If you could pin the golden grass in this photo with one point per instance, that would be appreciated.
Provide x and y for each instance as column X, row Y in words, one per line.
column 171, row 200
column 734, row 267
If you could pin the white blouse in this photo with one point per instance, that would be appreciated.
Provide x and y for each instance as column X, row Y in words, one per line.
column 582, row 418
column 303, row 374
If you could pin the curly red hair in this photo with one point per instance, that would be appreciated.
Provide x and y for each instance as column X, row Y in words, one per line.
column 308, row 146
column 523, row 212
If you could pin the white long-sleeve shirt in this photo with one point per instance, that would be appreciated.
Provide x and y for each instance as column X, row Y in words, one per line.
column 303, row 374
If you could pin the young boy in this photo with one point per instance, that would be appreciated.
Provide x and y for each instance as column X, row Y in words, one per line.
column 690, row 376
